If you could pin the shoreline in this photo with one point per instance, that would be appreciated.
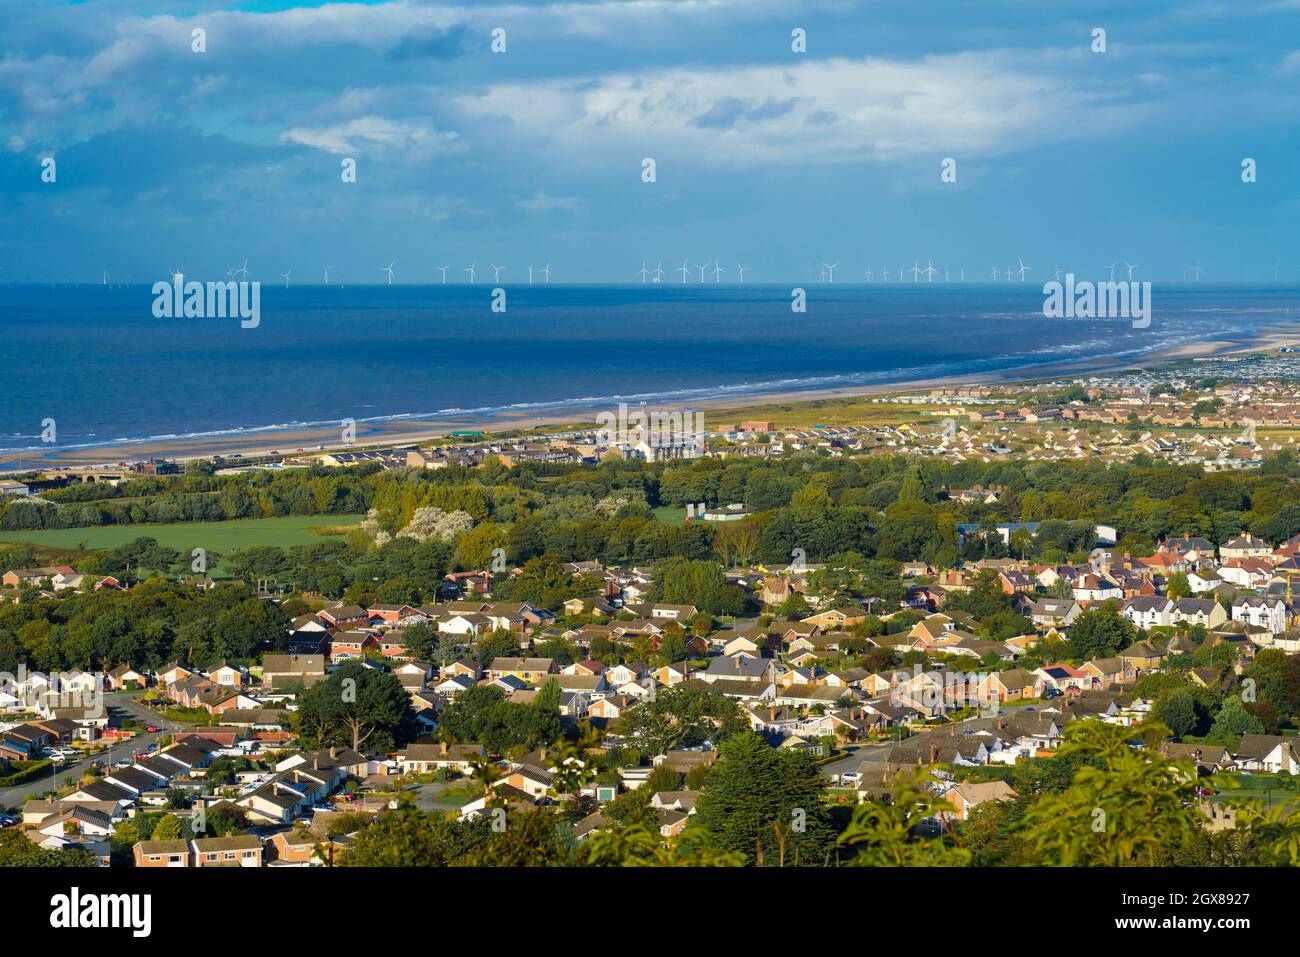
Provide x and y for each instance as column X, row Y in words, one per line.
column 306, row 440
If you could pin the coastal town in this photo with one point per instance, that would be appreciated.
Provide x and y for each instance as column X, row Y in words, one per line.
column 950, row 614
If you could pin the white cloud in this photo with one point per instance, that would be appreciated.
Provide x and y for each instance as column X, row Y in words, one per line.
column 539, row 202
column 829, row 111
column 377, row 134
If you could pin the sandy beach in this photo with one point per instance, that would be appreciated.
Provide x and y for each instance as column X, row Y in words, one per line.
column 253, row 445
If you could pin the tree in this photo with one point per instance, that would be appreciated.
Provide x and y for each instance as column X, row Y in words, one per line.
column 1178, row 711
column 765, row 804
column 679, row 717
column 1101, row 632
column 883, row 833
column 1233, row 720
column 1123, row 806
column 355, row 706
column 409, row 837
column 168, row 829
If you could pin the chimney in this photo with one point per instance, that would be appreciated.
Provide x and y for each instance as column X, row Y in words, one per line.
column 334, row 751
column 771, row 713
column 443, row 747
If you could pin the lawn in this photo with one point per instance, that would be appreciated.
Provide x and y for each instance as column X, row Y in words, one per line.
column 222, row 537
column 671, row 515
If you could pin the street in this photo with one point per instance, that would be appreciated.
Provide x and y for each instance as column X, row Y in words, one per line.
column 117, row 704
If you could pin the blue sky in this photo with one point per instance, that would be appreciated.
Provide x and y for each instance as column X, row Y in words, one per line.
column 171, row 159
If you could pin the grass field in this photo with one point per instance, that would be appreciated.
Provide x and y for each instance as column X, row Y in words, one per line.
column 671, row 515
column 222, row 537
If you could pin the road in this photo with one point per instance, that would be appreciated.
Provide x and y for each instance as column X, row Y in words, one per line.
column 118, row 705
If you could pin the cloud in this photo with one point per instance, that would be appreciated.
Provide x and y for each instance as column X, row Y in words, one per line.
column 817, row 111
column 539, row 202
column 431, row 44
column 376, row 132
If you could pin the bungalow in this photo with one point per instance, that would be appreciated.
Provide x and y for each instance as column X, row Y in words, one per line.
column 285, row 671
column 738, row 668
column 424, row 758
column 243, row 850
column 1267, row 752
column 969, row 795
column 161, row 854
column 124, row 676
column 529, row 670
column 836, row 618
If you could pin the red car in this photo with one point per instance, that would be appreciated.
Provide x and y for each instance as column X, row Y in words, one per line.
column 152, row 728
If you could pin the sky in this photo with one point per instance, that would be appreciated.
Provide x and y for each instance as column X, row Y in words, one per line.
column 166, row 158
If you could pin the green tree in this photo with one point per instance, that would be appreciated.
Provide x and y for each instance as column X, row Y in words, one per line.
column 357, row 706
column 765, row 804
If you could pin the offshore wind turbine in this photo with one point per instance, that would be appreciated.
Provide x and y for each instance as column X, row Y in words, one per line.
column 644, row 272
column 830, row 271
column 243, row 270
column 683, row 270
column 929, row 271
column 327, row 274
column 443, row 270
column 1130, row 270
column 546, row 272
column 885, row 274
column 916, row 270
column 1056, row 273
column 717, row 272
column 701, row 269
column 995, row 274
column 496, row 272
column 741, row 270
column 1023, row 269
column 659, row 272
column 868, row 275
column 470, row 269
column 285, row 274
column 1111, row 267
column 1196, row 269
column 530, row 275
column 388, row 269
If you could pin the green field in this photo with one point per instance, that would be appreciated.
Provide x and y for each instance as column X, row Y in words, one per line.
column 671, row 515
column 223, row 537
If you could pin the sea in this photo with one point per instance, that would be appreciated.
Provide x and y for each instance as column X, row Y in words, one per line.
column 96, row 360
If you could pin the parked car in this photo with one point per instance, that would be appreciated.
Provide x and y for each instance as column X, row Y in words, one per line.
column 152, row 728
column 1053, row 693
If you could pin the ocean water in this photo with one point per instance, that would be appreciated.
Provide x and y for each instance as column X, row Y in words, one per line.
column 96, row 360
